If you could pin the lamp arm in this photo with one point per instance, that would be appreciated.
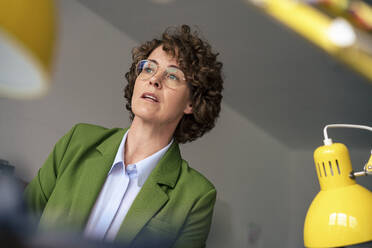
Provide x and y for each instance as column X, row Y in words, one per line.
column 328, row 141
column 367, row 170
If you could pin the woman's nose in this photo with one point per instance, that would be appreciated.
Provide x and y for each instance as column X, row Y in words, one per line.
column 156, row 80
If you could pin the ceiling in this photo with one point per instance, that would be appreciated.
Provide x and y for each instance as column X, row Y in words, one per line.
column 273, row 77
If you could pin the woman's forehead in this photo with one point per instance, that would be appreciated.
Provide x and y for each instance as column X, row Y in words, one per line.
column 162, row 57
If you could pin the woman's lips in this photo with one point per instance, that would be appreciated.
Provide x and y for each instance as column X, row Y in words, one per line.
column 150, row 96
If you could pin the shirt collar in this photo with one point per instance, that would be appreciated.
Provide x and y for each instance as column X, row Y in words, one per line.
column 120, row 153
column 145, row 166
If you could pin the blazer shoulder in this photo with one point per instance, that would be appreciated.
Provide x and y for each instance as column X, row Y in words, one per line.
column 195, row 179
column 83, row 128
column 87, row 133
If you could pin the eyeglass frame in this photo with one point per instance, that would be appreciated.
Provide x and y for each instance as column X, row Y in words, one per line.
column 164, row 72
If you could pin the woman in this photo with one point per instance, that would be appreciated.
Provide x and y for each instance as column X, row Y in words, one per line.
column 131, row 185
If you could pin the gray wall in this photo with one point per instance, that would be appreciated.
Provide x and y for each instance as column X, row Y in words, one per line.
column 264, row 188
column 250, row 171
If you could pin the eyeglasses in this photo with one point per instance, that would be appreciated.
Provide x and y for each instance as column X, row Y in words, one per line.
column 172, row 77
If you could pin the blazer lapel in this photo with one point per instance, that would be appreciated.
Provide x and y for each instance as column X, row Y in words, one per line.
column 152, row 197
column 94, row 175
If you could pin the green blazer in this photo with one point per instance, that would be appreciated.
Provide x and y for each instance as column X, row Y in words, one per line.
column 173, row 209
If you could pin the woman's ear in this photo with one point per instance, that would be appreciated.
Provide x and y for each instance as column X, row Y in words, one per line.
column 188, row 109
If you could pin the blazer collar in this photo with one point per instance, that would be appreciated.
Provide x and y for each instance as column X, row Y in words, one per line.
column 94, row 176
column 166, row 171
column 152, row 196
column 109, row 146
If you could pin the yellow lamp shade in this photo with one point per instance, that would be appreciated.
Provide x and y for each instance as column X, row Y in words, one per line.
column 340, row 214
column 27, row 37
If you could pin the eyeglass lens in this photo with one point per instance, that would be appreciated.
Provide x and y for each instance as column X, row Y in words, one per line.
column 173, row 77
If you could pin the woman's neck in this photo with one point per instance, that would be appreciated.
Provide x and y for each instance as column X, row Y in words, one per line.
column 144, row 139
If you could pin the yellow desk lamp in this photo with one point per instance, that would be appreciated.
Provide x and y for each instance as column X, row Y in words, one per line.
column 27, row 37
column 341, row 213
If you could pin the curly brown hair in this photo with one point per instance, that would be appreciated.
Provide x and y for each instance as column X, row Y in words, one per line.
column 203, row 73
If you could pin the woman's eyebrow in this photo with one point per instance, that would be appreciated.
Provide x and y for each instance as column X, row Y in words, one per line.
column 156, row 62
column 174, row 66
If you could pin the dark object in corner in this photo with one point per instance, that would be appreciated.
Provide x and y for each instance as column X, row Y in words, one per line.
column 6, row 168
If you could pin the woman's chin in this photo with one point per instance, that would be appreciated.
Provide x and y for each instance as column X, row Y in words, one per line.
column 145, row 116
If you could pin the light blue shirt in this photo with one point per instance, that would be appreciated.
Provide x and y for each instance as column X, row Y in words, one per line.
column 121, row 187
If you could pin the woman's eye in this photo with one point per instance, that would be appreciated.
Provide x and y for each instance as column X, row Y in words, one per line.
column 147, row 70
column 173, row 77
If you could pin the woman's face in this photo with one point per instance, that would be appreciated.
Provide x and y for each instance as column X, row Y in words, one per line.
column 153, row 101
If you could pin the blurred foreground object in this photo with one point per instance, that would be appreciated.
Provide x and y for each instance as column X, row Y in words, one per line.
column 14, row 222
column 341, row 213
column 19, row 230
column 27, row 37
column 357, row 11
column 6, row 168
column 334, row 34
